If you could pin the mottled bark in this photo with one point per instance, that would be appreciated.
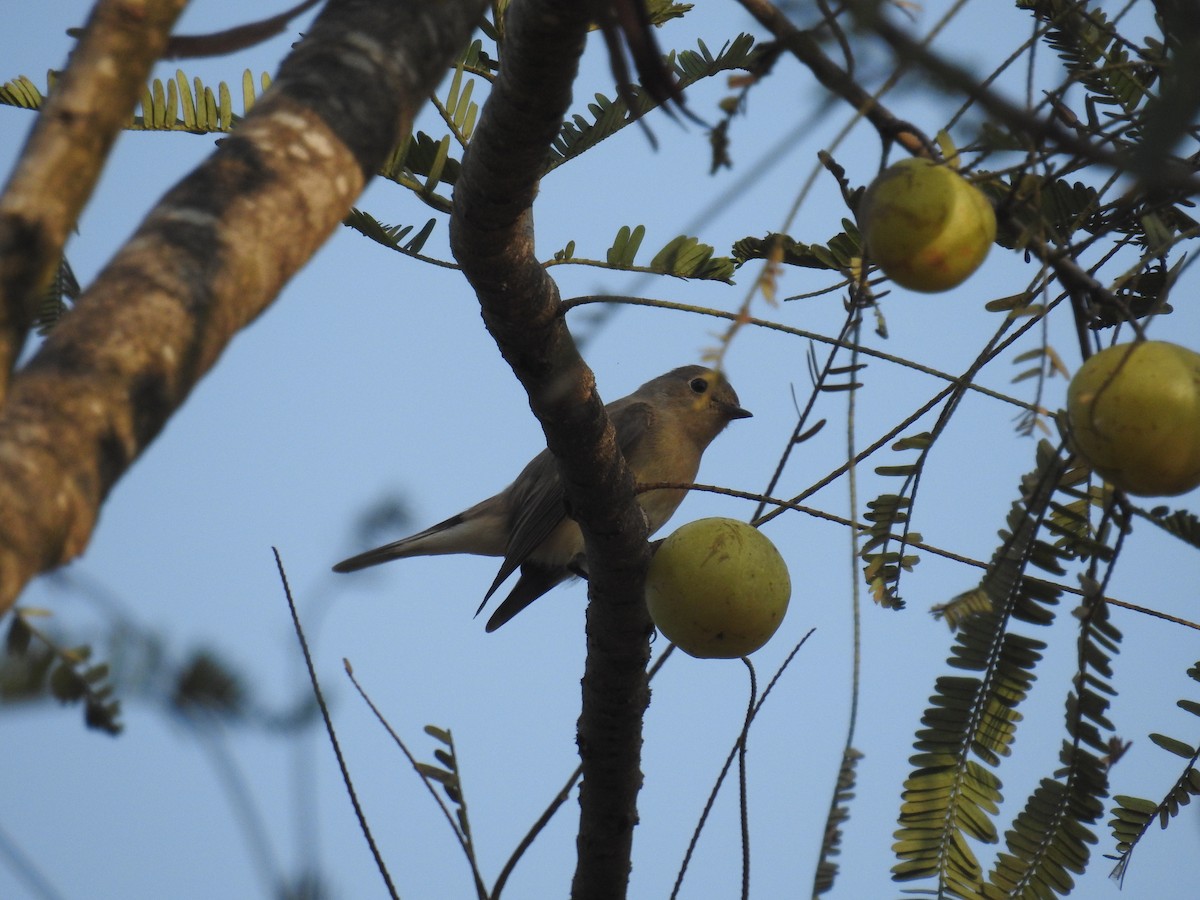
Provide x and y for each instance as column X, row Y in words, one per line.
column 66, row 150
column 208, row 259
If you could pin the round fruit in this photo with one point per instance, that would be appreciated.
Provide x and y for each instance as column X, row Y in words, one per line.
column 717, row 588
column 1134, row 412
column 926, row 226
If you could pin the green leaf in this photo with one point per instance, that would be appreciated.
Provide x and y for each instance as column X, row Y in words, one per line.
column 66, row 685
column 435, row 774
column 248, row 95
column 1190, row 705
column 439, row 734
column 1179, row 748
column 892, row 471
column 1137, row 804
column 21, row 92
column 625, row 245
column 920, row 441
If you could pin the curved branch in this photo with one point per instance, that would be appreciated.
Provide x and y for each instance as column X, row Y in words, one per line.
column 834, row 78
column 207, row 260
column 491, row 233
column 62, row 158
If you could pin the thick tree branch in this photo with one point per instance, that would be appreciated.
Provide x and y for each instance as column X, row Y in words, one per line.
column 66, row 150
column 207, row 260
column 492, row 238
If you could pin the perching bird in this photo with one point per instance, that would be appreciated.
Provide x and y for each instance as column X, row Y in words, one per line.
column 662, row 428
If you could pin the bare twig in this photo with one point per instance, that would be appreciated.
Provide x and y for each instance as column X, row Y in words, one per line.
column 333, row 741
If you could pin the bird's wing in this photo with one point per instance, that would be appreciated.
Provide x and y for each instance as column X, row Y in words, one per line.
column 631, row 419
column 535, row 580
column 537, row 508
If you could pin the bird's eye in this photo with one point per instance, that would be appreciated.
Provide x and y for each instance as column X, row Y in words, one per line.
column 698, row 385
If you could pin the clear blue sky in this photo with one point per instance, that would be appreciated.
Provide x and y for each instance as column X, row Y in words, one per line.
column 373, row 375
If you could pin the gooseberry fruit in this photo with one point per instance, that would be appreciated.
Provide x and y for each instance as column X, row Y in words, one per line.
column 717, row 588
column 926, row 226
column 1134, row 415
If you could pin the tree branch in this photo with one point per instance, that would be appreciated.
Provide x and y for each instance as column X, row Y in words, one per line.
column 834, row 78
column 1044, row 130
column 66, row 149
column 207, row 260
column 492, row 237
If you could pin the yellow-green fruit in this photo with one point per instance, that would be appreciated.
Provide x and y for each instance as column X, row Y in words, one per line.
column 717, row 588
column 1134, row 412
column 925, row 225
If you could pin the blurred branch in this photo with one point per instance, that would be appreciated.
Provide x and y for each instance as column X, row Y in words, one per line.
column 1042, row 129
column 834, row 78
column 492, row 237
column 65, row 152
column 26, row 870
column 1086, row 292
column 231, row 40
column 331, row 732
column 208, row 259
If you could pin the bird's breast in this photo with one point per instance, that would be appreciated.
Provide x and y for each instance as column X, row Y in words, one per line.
column 675, row 462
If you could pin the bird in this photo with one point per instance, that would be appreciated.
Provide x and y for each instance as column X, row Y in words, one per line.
column 662, row 428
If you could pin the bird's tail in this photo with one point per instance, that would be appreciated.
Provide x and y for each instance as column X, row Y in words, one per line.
column 463, row 533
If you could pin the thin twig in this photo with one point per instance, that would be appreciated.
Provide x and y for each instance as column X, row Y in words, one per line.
column 337, row 750
column 833, row 77
column 564, row 792
column 796, row 506
column 712, row 797
column 584, row 300
column 437, row 798
column 743, row 799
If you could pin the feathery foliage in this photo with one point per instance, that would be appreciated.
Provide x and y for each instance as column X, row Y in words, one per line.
column 682, row 257
column 1094, row 51
column 1181, row 523
column 1133, row 816
column 842, row 253
column 35, row 662
column 447, row 775
column 173, row 105
column 62, row 290
column 609, row 116
column 839, row 813
column 394, row 236
column 953, row 795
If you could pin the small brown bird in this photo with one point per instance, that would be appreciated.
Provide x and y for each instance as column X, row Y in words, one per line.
column 663, row 428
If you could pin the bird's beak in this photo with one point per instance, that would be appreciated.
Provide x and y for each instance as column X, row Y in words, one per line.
column 736, row 412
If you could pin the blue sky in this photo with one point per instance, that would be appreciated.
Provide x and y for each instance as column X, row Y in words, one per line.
column 373, row 376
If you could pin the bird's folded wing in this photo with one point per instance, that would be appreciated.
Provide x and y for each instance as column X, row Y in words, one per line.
column 537, row 509
column 535, row 580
